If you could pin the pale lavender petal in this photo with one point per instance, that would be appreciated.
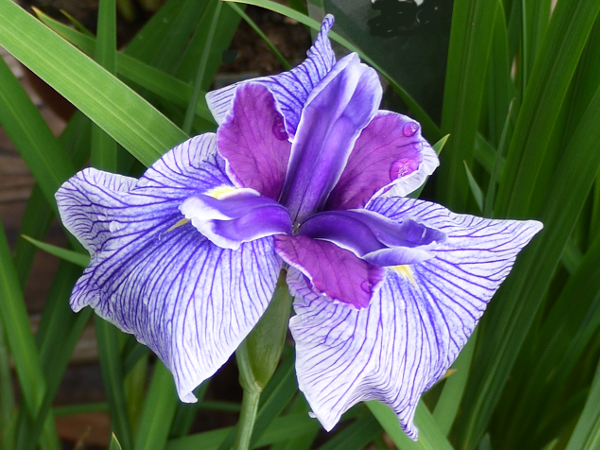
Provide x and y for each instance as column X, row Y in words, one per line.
column 416, row 323
column 236, row 219
column 290, row 89
column 190, row 168
column 333, row 271
column 389, row 153
column 157, row 277
column 253, row 141
column 335, row 113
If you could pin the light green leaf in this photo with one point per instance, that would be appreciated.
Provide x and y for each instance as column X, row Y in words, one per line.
column 79, row 259
column 430, row 436
column 118, row 110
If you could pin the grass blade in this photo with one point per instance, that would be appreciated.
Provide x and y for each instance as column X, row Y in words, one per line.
column 122, row 113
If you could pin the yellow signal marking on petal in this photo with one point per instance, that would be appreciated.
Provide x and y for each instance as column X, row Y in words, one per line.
column 220, row 191
column 406, row 272
column 178, row 224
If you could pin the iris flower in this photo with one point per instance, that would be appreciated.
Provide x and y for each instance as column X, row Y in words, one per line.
column 303, row 174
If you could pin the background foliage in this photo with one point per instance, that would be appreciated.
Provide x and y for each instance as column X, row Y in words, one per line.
column 521, row 105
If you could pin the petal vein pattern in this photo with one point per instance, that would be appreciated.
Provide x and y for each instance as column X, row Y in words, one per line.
column 190, row 301
column 414, row 326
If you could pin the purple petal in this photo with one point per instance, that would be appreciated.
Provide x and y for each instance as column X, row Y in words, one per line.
column 191, row 302
column 335, row 114
column 290, row 89
column 238, row 218
column 333, row 271
column 415, row 325
column 253, row 141
column 390, row 152
column 373, row 237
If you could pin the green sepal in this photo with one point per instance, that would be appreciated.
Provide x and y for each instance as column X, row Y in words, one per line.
column 259, row 354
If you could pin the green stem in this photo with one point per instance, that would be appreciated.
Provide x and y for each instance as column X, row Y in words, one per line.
column 247, row 418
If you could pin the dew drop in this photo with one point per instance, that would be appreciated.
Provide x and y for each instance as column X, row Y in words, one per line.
column 114, row 226
column 410, row 129
column 279, row 128
column 366, row 286
column 402, row 167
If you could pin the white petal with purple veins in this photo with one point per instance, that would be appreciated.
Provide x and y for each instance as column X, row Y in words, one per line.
column 415, row 325
column 154, row 275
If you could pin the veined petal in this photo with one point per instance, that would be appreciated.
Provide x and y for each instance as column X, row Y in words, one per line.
column 416, row 323
column 336, row 111
column 290, row 89
column 157, row 277
column 333, row 271
column 253, row 141
column 390, row 154
column 85, row 200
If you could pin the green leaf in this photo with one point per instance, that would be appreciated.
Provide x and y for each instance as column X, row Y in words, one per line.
column 356, row 436
column 76, row 258
column 448, row 403
column 566, row 37
column 470, row 41
column 430, row 436
column 118, row 110
column 201, row 70
column 158, row 412
column 279, row 430
column 475, row 189
column 21, row 343
column 159, row 83
column 31, row 135
column 114, row 443
column 107, row 337
column 586, row 435
column 513, row 311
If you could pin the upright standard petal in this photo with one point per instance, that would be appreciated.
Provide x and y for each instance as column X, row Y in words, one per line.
column 414, row 326
column 154, row 275
column 389, row 155
column 290, row 89
column 336, row 111
column 254, row 142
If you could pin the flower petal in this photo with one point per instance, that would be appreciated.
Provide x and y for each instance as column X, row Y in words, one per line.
column 333, row 271
column 390, row 153
column 253, row 141
column 151, row 275
column 416, row 323
column 336, row 111
column 190, row 168
column 290, row 89
column 373, row 237
column 236, row 219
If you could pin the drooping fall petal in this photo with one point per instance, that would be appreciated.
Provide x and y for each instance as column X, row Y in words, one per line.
column 154, row 275
column 415, row 324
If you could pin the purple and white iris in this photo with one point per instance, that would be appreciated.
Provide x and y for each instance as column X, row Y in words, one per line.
column 304, row 173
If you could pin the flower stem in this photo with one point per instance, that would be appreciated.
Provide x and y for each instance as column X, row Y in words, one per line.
column 247, row 419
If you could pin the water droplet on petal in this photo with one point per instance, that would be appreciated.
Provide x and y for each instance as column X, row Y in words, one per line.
column 366, row 286
column 114, row 226
column 402, row 167
column 279, row 128
column 410, row 129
